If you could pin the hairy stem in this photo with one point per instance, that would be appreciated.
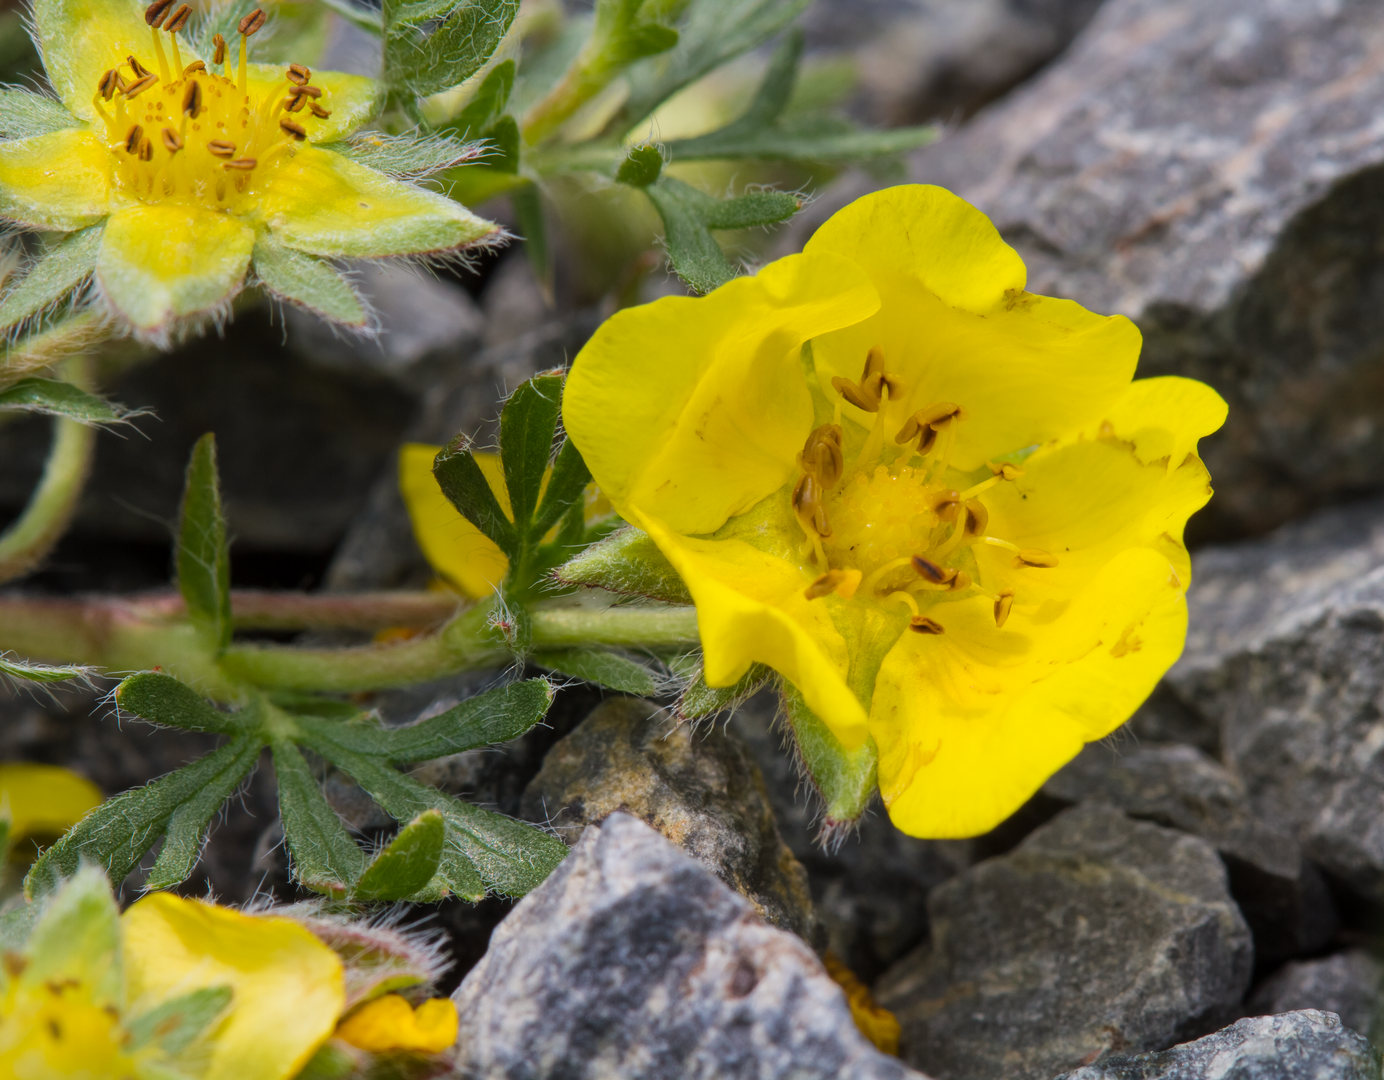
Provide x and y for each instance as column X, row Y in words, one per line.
column 25, row 543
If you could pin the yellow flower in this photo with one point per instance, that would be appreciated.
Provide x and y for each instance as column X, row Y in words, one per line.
column 951, row 522
column 178, row 165
column 390, row 1023
column 41, row 802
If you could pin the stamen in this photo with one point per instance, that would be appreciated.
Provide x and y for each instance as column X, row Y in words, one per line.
column 146, row 151
column 946, row 505
column 158, row 51
column 110, row 82
column 929, row 570
column 195, row 66
column 823, row 456
column 921, row 624
column 132, row 139
column 934, row 417
column 171, row 140
column 250, row 25
column 977, row 518
column 867, row 394
column 1036, row 558
column 984, row 485
column 178, row 19
column 139, row 69
column 221, row 148
column 1003, row 605
column 154, row 13
column 298, row 75
column 306, row 91
column 294, row 102
column 318, row 111
column 297, row 131
column 244, row 164
column 219, row 56
column 1005, row 471
column 842, row 582
column 192, row 99
column 899, row 594
column 961, row 581
column 140, row 85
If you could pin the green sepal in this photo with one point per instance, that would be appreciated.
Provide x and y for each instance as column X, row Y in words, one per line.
column 627, row 562
column 174, row 1024
column 307, row 281
column 845, row 779
column 432, row 45
column 641, row 167
column 163, row 700
column 487, row 107
column 527, row 424
column 77, row 936
column 408, row 864
column 403, row 156
column 54, row 398
column 609, row 669
column 202, row 555
column 700, row 700
column 324, row 857
column 51, row 277
column 24, row 114
column 466, row 487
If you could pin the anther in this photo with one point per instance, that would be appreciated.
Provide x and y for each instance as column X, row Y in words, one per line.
column 171, row 140
column 927, row 422
column 146, row 150
column 823, row 456
column 947, row 505
column 977, row 517
column 318, row 111
column 178, row 19
column 154, row 13
column 929, row 570
column 842, row 582
column 133, row 138
column 219, row 43
column 961, row 581
column 807, row 504
column 140, row 85
column 243, row 164
column 195, row 66
column 293, row 128
column 1005, row 471
column 921, row 624
column 1036, row 557
column 298, row 75
column 192, row 99
column 295, row 102
column 109, row 84
column 139, row 69
column 252, row 22
column 1004, row 603
column 306, row 91
column 220, row 147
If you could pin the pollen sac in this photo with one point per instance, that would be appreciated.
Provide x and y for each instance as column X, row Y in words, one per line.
column 1005, row 471
column 220, row 148
column 822, row 455
column 146, row 150
column 808, row 506
column 154, row 13
column 135, row 66
column 140, row 85
column 1004, row 603
column 1037, row 558
column 921, row 624
column 318, row 111
column 192, row 99
column 109, row 84
column 930, row 571
column 295, row 102
column 977, row 518
column 219, row 45
column 194, row 67
column 927, row 423
column 252, row 22
column 298, row 75
column 132, row 140
column 171, row 140
column 294, row 129
column 244, row 164
column 178, row 19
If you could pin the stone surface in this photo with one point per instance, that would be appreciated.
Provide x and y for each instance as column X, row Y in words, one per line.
column 633, row 961
column 1286, row 654
column 1282, row 896
column 1304, row 1045
column 699, row 787
column 1097, row 934
column 1347, row 984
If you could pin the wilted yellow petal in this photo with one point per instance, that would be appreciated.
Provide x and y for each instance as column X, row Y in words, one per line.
column 60, row 181
column 391, row 1023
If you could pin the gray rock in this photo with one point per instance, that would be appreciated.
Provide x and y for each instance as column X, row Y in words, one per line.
column 1211, row 170
column 1305, row 1045
column 1097, row 934
column 699, row 788
column 633, row 961
column 1282, row 896
column 1347, row 984
column 1285, row 654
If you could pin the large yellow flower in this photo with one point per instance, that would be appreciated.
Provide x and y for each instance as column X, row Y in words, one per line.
column 176, row 165
column 932, row 501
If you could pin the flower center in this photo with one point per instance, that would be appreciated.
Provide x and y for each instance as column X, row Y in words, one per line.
column 189, row 134
column 896, row 530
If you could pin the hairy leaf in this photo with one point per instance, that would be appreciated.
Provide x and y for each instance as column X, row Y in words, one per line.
column 51, row 277
column 404, row 156
column 28, row 671
column 641, row 166
column 485, row 720
column 626, row 562
column 566, row 488
column 609, row 669
column 59, row 399
column 309, row 282
column 700, row 700
column 163, row 700
column 24, row 114
column 527, row 424
column 409, row 862
column 325, row 857
column 431, row 45
column 483, row 110
column 203, row 556
column 466, row 487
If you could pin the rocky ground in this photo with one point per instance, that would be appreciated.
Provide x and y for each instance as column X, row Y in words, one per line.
column 1201, row 896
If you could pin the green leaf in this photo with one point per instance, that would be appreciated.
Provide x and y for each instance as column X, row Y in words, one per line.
column 609, row 669
column 527, row 424
column 53, row 275
column 174, row 1024
column 188, row 824
column 566, row 488
column 641, row 166
column 846, row 779
column 77, row 936
column 409, row 862
column 483, row 110
column 118, row 832
column 325, row 858
column 493, row 717
column 404, row 156
column 163, row 700
column 432, row 45
column 466, row 487
column 457, row 874
column 807, row 139
column 28, row 671
column 700, row 700
column 627, row 562
column 24, row 114
column 309, row 282
column 59, row 399
column 689, row 216
column 203, row 557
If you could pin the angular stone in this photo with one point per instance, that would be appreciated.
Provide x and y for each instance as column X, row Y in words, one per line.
column 1097, row 934
column 1305, row 1045
column 633, row 961
column 698, row 787
column 1213, row 171
column 1282, row 896
column 1347, row 984
column 1285, row 653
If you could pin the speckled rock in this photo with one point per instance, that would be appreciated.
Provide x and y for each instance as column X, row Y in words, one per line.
column 697, row 786
column 1305, row 1045
column 1347, row 984
column 1096, row 935
column 1285, row 653
column 632, row 961
column 1282, row 896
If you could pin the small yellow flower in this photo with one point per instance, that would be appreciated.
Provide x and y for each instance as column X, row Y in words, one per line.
column 952, row 522
column 390, row 1023
column 191, row 165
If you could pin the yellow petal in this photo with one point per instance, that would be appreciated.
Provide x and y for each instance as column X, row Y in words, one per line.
column 43, row 801
column 81, row 39
column 60, row 181
column 1163, row 417
column 391, row 1023
column 351, row 99
column 459, row 552
column 709, row 392
column 955, row 325
column 159, row 263
column 321, row 203
column 970, row 723
column 288, row 987
column 751, row 609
